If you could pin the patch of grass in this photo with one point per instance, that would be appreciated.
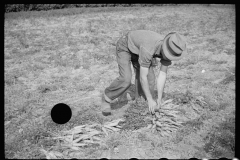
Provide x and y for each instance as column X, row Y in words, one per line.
column 47, row 88
column 221, row 141
column 84, row 87
column 195, row 124
column 95, row 41
column 142, row 26
column 228, row 79
column 11, row 77
column 142, row 137
column 65, row 12
column 133, row 118
column 183, row 65
column 29, row 141
column 88, row 116
column 20, row 36
column 219, row 62
column 114, row 140
column 219, row 49
column 180, row 98
column 103, row 58
column 212, row 104
column 230, row 51
column 211, row 41
column 222, row 106
column 15, row 97
column 212, row 49
column 182, row 133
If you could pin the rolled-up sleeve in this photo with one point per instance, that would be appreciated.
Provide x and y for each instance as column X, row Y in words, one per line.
column 145, row 58
column 165, row 62
column 154, row 62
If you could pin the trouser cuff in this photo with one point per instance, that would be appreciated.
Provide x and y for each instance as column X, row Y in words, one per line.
column 106, row 98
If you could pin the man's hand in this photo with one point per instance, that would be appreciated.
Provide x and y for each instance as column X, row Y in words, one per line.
column 144, row 82
column 152, row 106
column 159, row 103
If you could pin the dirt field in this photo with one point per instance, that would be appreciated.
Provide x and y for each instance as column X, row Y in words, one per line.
column 71, row 59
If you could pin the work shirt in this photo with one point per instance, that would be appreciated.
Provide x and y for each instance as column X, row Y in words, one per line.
column 146, row 44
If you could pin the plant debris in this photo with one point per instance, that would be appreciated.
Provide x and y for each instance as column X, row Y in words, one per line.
column 167, row 119
column 187, row 98
column 84, row 135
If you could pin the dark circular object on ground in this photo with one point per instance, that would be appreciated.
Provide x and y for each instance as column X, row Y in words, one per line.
column 61, row 113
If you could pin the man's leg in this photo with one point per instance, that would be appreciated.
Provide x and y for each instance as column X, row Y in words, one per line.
column 138, row 87
column 120, row 84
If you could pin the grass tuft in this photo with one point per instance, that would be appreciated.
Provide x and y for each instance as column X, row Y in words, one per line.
column 221, row 141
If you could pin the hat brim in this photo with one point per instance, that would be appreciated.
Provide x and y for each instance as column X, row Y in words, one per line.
column 168, row 54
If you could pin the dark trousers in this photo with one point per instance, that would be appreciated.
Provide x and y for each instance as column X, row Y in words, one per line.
column 124, row 59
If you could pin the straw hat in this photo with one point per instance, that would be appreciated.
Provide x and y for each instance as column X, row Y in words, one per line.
column 174, row 46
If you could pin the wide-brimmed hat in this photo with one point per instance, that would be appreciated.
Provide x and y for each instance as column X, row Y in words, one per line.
column 174, row 46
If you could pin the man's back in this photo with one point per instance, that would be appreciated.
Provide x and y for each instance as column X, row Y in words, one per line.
column 148, row 39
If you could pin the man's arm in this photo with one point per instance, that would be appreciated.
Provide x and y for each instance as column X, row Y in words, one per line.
column 161, row 82
column 144, row 82
column 145, row 86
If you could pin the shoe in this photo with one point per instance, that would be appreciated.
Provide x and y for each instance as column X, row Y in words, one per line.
column 106, row 108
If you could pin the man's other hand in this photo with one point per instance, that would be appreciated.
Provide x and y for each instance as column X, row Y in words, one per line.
column 159, row 103
column 152, row 106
